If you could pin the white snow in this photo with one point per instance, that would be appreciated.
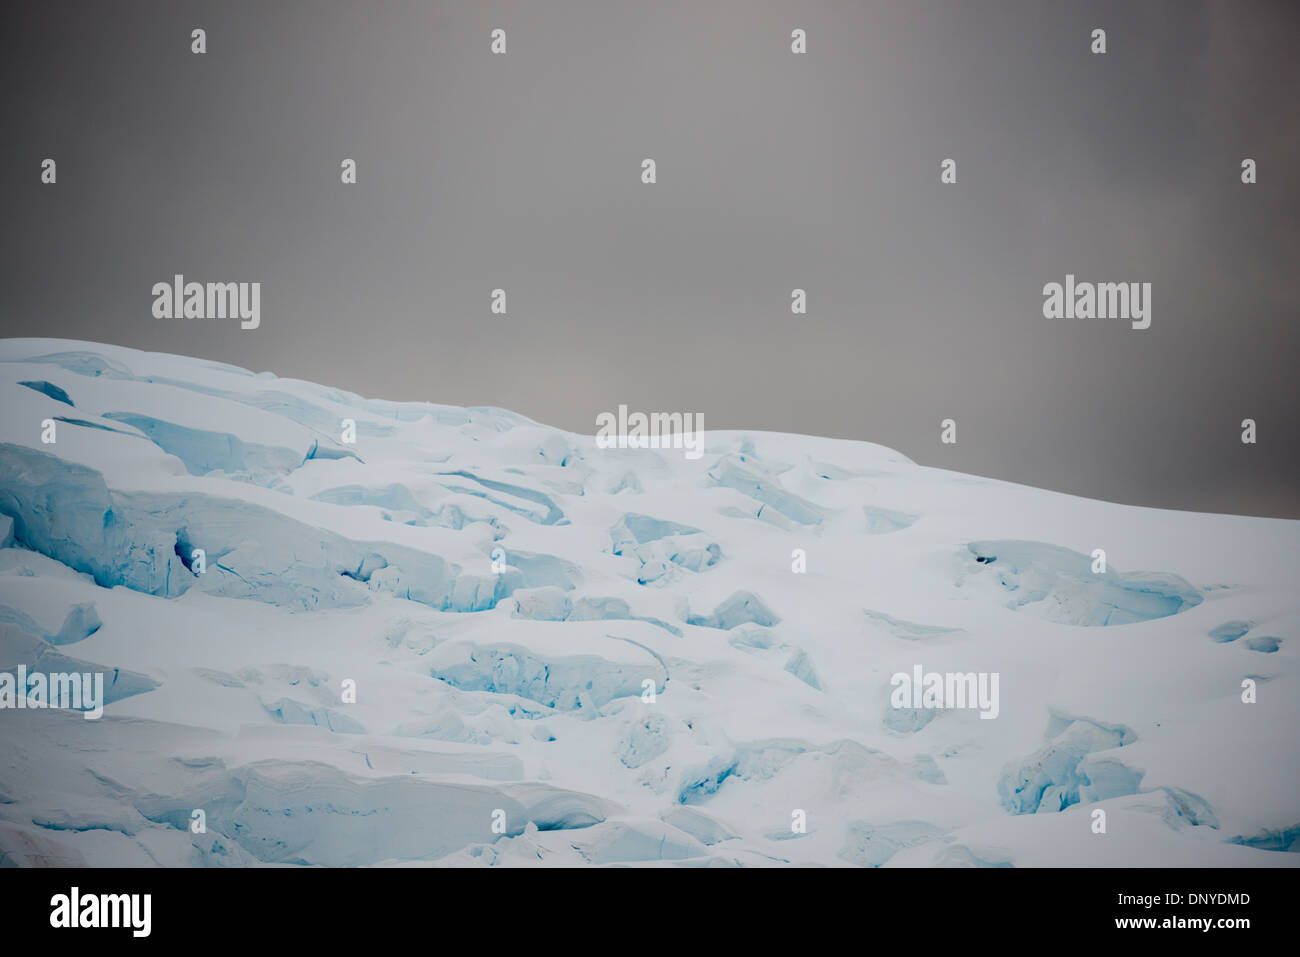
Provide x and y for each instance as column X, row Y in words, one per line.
column 639, row 678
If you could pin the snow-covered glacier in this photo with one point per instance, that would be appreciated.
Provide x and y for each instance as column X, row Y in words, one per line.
column 467, row 639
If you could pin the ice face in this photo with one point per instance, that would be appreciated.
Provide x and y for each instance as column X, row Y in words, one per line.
column 1061, row 585
column 458, row 637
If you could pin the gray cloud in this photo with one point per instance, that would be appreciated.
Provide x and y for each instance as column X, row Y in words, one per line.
column 775, row 171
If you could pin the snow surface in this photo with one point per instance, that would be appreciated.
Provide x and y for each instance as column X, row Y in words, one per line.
column 519, row 689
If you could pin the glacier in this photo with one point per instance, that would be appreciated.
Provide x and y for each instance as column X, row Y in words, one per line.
column 468, row 639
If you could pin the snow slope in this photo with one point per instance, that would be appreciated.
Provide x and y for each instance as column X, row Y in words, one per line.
column 512, row 698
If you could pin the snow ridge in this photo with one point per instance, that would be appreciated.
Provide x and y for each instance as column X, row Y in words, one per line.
column 468, row 639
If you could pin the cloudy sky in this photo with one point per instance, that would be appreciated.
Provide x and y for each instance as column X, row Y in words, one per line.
column 775, row 171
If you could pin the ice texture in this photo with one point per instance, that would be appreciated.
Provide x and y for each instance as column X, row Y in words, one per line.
column 468, row 639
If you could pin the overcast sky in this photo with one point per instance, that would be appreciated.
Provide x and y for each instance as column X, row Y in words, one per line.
column 775, row 171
